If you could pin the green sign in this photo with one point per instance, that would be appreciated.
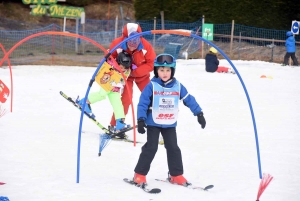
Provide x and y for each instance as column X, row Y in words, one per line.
column 65, row 11
column 53, row 9
column 208, row 31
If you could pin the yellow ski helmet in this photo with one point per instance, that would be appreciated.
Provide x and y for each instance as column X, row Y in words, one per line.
column 213, row 50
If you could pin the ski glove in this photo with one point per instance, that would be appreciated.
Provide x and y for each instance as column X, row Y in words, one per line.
column 201, row 120
column 133, row 67
column 141, row 126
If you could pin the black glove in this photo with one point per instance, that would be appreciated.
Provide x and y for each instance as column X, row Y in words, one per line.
column 141, row 126
column 201, row 120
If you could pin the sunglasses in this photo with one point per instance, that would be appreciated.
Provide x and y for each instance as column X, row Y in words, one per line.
column 132, row 45
column 165, row 59
column 134, row 42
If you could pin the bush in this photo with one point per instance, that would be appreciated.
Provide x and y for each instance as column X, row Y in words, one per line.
column 80, row 2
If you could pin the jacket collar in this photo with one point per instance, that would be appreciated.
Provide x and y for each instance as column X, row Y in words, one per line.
column 162, row 83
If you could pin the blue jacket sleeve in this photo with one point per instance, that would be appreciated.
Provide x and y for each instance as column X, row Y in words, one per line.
column 189, row 100
column 144, row 102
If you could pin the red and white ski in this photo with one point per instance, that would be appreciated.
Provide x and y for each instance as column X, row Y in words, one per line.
column 189, row 185
column 147, row 190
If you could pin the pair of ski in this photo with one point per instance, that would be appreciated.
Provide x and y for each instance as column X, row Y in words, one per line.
column 106, row 130
column 157, row 190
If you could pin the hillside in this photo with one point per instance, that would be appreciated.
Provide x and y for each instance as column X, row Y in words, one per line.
column 21, row 13
column 99, row 11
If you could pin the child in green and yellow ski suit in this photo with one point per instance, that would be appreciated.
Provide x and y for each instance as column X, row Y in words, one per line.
column 114, row 96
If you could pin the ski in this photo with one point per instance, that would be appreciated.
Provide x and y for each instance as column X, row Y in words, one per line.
column 190, row 186
column 124, row 140
column 2, row 183
column 147, row 190
column 107, row 131
column 115, row 138
column 87, row 114
column 114, row 134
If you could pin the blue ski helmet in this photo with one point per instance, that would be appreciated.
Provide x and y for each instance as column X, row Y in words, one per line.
column 165, row 60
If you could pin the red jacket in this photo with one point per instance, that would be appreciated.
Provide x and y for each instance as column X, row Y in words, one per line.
column 143, row 57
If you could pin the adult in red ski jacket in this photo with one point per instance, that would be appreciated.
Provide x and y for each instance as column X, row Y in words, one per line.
column 143, row 56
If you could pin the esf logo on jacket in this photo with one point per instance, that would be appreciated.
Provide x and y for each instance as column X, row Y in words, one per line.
column 165, row 116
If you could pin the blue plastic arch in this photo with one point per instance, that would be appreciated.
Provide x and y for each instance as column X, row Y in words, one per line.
column 148, row 33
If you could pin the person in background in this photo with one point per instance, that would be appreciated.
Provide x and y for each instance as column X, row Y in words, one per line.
column 290, row 45
column 114, row 96
column 158, row 111
column 212, row 63
column 142, row 54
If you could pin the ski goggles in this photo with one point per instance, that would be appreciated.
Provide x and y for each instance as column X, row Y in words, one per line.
column 126, row 63
column 165, row 59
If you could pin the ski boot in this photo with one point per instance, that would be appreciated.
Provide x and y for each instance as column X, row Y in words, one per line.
column 139, row 179
column 87, row 108
column 180, row 180
column 119, row 126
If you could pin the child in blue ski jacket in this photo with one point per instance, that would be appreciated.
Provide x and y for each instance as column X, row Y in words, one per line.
column 158, row 111
column 290, row 45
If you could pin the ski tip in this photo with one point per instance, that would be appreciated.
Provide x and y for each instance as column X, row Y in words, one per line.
column 208, row 187
column 155, row 190
column 143, row 186
column 99, row 154
column 2, row 183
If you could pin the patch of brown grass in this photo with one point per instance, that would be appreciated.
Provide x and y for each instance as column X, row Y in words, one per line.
column 57, row 61
column 104, row 11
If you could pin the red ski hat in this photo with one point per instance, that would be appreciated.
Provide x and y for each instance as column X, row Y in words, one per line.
column 131, row 27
